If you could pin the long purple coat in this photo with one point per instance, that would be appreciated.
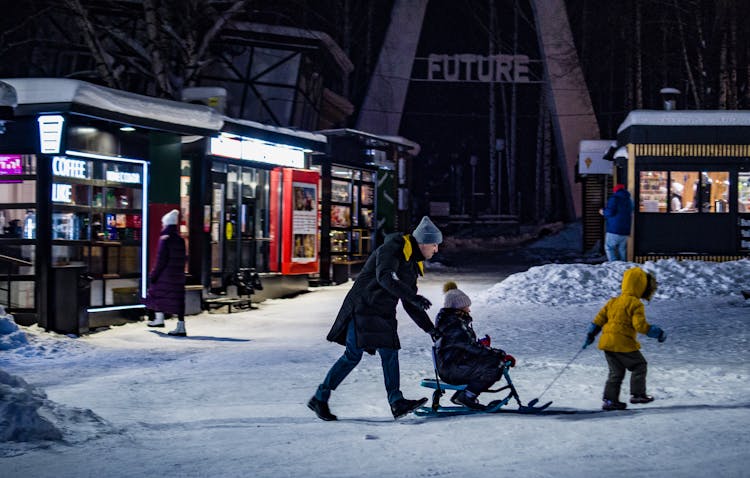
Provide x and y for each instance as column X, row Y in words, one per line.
column 167, row 291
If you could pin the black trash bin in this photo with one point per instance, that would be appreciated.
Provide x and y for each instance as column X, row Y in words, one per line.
column 72, row 295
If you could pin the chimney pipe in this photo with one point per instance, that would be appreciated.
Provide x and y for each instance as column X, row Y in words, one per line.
column 669, row 97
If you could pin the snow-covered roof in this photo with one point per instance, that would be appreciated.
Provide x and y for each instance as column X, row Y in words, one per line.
column 412, row 146
column 64, row 90
column 622, row 152
column 318, row 138
column 595, row 145
column 8, row 96
column 686, row 118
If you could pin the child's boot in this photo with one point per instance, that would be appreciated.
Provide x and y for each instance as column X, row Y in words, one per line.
column 609, row 405
column 641, row 398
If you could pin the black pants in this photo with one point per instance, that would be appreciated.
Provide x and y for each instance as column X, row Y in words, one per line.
column 618, row 362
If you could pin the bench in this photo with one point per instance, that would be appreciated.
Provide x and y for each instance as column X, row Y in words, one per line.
column 239, row 303
column 342, row 270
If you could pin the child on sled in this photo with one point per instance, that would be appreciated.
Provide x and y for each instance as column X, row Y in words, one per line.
column 460, row 357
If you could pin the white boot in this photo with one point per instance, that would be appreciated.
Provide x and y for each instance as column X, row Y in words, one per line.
column 179, row 330
column 158, row 320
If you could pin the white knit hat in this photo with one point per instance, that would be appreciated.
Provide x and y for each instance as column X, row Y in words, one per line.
column 454, row 297
column 170, row 218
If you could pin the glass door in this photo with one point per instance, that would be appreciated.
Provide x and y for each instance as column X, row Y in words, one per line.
column 218, row 186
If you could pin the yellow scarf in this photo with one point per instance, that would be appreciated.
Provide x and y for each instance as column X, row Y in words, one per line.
column 408, row 251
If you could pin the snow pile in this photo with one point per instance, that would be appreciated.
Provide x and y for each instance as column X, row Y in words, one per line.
column 557, row 284
column 26, row 415
column 11, row 336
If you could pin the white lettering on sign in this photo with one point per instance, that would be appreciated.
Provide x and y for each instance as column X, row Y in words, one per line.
column 255, row 150
column 123, row 177
column 744, row 222
column 70, row 168
column 62, row 193
column 470, row 67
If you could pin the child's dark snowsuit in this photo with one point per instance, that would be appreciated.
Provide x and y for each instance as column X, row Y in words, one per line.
column 460, row 358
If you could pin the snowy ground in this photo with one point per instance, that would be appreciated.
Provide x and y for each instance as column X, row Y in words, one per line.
column 229, row 400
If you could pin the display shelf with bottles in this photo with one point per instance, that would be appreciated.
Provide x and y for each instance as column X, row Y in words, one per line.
column 352, row 213
column 97, row 222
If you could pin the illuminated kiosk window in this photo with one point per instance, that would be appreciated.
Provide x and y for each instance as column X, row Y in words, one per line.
column 110, row 192
column 240, row 147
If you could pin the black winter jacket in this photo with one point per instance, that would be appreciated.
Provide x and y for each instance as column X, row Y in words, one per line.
column 460, row 358
column 389, row 274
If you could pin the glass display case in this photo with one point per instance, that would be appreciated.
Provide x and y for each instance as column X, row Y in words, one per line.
column 97, row 221
column 18, row 231
column 352, row 213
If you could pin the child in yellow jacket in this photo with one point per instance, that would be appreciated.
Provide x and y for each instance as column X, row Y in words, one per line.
column 620, row 321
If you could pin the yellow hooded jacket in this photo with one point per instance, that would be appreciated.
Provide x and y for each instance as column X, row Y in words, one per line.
column 623, row 317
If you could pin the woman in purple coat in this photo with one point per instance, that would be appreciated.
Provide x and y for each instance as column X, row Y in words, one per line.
column 167, row 292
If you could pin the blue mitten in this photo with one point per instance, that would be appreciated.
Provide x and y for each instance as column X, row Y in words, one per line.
column 655, row 332
column 591, row 334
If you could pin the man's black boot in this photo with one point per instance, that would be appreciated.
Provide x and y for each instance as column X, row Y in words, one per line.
column 321, row 409
column 401, row 407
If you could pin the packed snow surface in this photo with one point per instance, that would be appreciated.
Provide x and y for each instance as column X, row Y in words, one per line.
column 229, row 399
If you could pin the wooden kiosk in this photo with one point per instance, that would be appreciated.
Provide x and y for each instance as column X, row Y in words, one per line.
column 689, row 175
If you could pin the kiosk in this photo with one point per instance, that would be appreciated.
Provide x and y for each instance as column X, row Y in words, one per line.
column 76, row 189
column 689, row 175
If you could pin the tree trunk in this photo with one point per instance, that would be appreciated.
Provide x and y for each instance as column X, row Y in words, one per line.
column 512, row 187
column 102, row 60
column 539, row 176
column 158, row 67
column 732, row 52
column 700, row 64
column 723, row 74
column 685, row 57
column 638, row 58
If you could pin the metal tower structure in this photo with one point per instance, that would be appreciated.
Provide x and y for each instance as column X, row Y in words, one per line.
column 567, row 96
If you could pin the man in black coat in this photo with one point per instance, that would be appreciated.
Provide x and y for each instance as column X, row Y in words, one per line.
column 367, row 318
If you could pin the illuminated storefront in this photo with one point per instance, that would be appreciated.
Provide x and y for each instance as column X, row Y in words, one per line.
column 364, row 196
column 689, row 174
column 75, row 181
column 259, row 207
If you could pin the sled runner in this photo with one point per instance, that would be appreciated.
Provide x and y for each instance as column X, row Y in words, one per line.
column 495, row 406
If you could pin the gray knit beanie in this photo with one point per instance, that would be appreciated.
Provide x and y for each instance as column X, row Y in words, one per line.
column 454, row 297
column 427, row 232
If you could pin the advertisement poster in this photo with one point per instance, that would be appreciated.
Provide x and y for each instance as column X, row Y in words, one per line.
column 304, row 222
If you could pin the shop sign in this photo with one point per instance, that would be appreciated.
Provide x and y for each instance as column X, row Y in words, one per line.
column 62, row 193
column 250, row 149
column 468, row 67
column 304, row 222
column 123, row 177
column 70, row 168
column 50, row 133
column 11, row 165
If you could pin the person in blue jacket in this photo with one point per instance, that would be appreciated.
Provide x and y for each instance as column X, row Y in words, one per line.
column 618, row 214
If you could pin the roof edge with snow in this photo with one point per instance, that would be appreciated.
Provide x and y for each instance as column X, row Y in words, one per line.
column 124, row 106
column 685, row 118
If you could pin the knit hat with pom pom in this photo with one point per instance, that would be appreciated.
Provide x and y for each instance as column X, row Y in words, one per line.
column 454, row 297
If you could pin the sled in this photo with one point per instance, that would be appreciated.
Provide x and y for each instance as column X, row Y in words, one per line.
column 495, row 406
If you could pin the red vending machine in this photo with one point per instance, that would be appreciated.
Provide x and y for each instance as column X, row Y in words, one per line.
column 294, row 221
